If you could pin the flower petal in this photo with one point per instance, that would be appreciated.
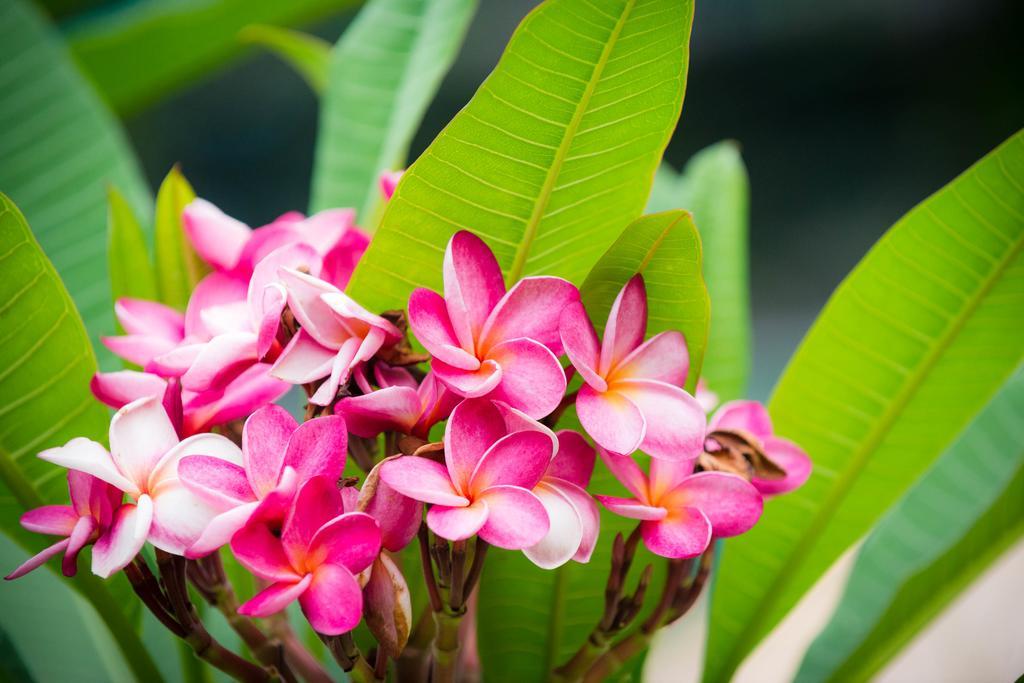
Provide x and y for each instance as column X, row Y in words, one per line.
column 398, row 516
column 474, row 426
column 532, row 379
column 473, row 285
column 317, row 502
column 531, row 309
column 216, row 237
column 55, row 520
column 627, row 323
column 457, row 523
column 140, row 434
column 579, row 340
column 137, row 348
column 731, row 504
column 421, row 479
column 318, row 448
column 275, row 597
column 306, row 303
column 295, row 256
column 85, row 455
column 125, row 538
column 665, row 475
column 220, row 530
column 175, row 362
column 675, row 421
column 789, row 457
column 260, row 551
column 333, row 603
column 589, row 514
column 219, row 482
column 39, row 559
column 244, row 394
column 149, row 318
column 516, row 518
column 611, row 419
column 747, row 416
column 351, row 540
column 179, row 517
column 683, row 534
column 341, row 260
column 221, row 360
column 213, row 445
column 428, row 318
column 564, row 534
column 216, row 289
column 80, row 536
column 468, row 383
column 632, row 508
column 518, row 459
column 265, row 438
column 303, row 360
column 391, row 409
column 627, row 472
column 663, row 357
column 117, row 389
column 574, row 461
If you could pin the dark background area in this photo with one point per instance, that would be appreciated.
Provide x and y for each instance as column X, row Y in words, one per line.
column 848, row 112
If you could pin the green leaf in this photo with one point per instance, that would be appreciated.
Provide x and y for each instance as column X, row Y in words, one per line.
column 962, row 514
column 911, row 345
column 383, row 73
column 307, row 54
column 138, row 52
column 178, row 268
column 46, row 365
column 12, row 668
column 60, row 149
column 131, row 269
column 666, row 249
column 552, row 157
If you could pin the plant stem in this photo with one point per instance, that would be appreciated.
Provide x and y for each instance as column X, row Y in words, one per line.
column 446, row 646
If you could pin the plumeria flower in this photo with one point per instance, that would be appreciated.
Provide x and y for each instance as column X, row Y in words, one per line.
column 751, row 420
column 680, row 511
column 489, row 342
column 312, row 557
column 336, row 335
column 707, row 398
column 277, row 454
column 399, row 405
column 574, row 516
column 485, row 485
column 398, row 516
column 143, row 463
column 151, row 328
column 388, row 182
column 87, row 520
column 633, row 397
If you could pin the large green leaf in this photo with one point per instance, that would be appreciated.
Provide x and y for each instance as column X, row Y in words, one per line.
column 45, row 366
column 908, row 349
column 383, row 73
column 138, row 51
column 552, row 157
column 955, row 521
column 309, row 55
column 666, row 249
column 59, row 148
column 178, row 267
column 131, row 268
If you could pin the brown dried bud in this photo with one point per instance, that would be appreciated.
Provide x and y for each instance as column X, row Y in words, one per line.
column 388, row 609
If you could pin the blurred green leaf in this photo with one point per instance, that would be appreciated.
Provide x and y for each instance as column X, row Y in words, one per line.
column 307, row 54
column 12, row 668
column 552, row 157
column 131, row 268
column 138, row 52
column 962, row 514
column 383, row 73
column 46, row 365
column 908, row 349
column 178, row 268
column 60, row 148
column 666, row 249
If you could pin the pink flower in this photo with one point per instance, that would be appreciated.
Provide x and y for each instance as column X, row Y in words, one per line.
column 277, row 454
column 751, row 419
column 152, row 330
column 707, row 399
column 85, row 521
column 574, row 516
column 313, row 558
column 682, row 511
column 389, row 181
column 143, row 463
column 489, row 342
column 399, row 405
column 485, row 485
column 398, row 516
column 337, row 334
column 633, row 398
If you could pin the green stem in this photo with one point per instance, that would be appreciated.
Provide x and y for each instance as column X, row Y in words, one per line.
column 617, row 657
column 446, row 646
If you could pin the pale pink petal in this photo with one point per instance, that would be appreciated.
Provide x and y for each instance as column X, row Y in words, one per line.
column 275, row 298
column 176, row 361
column 357, row 319
column 518, row 421
column 269, row 238
column 275, row 597
column 85, row 455
column 388, row 181
column 611, row 419
column 531, row 309
column 333, row 603
column 317, row 502
column 627, row 323
column 516, row 518
column 221, row 360
column 55, row 520
column 303, row 360
column 421, row 479
column 564, row 534
column 686, row 534
column 295, row 256
column 574, row 461
column 663, row 357
column 125, row 538
column 39, row 559
column 265, row 438
column 666, row 474
column 586, row 508
column 579, row 340
column 80, row 537
column 138, row 349
column 627, row 472
column 676, row 423
column 220, row 530
column 216, row 237
column 213, row 445
column 746, row 416
column 318, row 447
column 518, row 459
column 388, row 376
column 244, row 394
column 429, row 321
column 216, row 289
column 473, row 285
column 398, row 516
column 473, row 428
column 260, row 551
column 140, row 434
column 149, row 318
column 351, row 540
column 789, row 457
column 705, row 397
column 216, row 481
column 179, row 517
column 457, row 523
column 731, row 504
column 117, row 389
column 532, row 379
column 325, row 229
column 92, row 497
column 437, row 403
column 226, row 319
column 468, row 383
column 392, row 409
column 309, row 309
column 341, row 368
column 632, row 508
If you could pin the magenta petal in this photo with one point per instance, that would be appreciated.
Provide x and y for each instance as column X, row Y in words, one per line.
column 789, row 457
column 627, row 472
column 468, row 383
column 428, row 318
column 92, row 497
column 305, row 298
column 516, row 518
column 340, row 262
column 220, row 530
column 746, row 416
column 532, row 379
column 264, row 443
column 317, row 502
column 388, row 181
column 531, row 309
column 140, row 434
column 632, row 508
column 333, row 603
column 139, row 316
column 731, row 504
column 222, row 359
column 627, row 323
column 176, row 361
column 351, row 540
column 579, row 340
column 473, row 285
column 574, row 461
column 518, row 459
column 275, row 597
column 684, row 534
column 398, row 516
column 611, row 419
column 318, row 447
column 125, row 538
column 56, row 520
column 260, row 551
column 664, row 357
column 275, row 298
column 216, row 237
column 138, row 349
column 423, row 480
column 244, row 394
column 564, row 534
column 392, row 409
column 474, row 426
column 216, row 289
column 80, row 536
column 457, row 523
column 219, row 482
column 117, row 389
column 39, row 559
column 675, row 421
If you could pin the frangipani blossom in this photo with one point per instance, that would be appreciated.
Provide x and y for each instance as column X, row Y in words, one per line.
column 399, row 405
column 277, row 454
column 633, row 397
column 389, row 181
column 574, row 516
column 680, row 511
column 143, row 463
column 85, row 521
column 336, row 335
column 152, row 329
column 489, row 342
column 750, row 419
column 312, row 557
column 398, row 516
column 485, row 485
column 707, row 398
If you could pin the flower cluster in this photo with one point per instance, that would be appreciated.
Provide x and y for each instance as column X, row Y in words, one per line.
column 200, row 458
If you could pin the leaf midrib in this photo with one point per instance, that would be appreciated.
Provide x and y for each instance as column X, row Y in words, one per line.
column 547, row 188
column 748, row 636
